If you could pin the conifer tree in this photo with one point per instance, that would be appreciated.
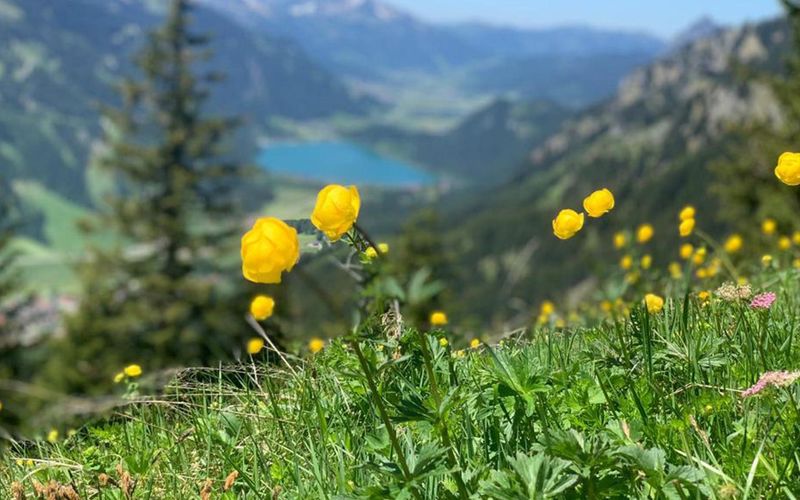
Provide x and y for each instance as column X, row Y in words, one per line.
column 162, row 296
column 745, row 183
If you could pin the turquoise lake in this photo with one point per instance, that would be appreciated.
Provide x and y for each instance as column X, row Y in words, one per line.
column 340, row 162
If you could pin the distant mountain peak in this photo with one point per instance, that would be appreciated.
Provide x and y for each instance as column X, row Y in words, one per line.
column 703, row 27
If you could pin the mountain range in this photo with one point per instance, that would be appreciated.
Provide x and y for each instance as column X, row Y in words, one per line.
column 373, row 41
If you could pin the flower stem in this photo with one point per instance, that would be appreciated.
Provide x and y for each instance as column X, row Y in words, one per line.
column 383, row 413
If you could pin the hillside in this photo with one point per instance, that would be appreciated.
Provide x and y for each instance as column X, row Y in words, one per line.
column 651, row 144
column 58, row 61
column 484, row 147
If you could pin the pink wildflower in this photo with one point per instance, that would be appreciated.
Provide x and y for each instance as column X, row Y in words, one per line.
column 775, row 379
column 763, row 300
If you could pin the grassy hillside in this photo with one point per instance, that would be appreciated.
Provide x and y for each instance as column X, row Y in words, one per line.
column 620, row 403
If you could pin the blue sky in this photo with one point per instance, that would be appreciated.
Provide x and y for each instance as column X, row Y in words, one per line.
column 661, row 17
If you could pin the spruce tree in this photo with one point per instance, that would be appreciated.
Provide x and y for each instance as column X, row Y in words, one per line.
column 745, row 183
column 167, row 293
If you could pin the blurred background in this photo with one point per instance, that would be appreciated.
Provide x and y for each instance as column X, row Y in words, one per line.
column 466, row 124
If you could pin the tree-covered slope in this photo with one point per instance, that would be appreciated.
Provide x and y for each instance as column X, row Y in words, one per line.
column 58, row 61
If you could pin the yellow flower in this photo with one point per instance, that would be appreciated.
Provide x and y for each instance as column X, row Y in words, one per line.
column 119, row 377
column 675, row 270
column 701, row 273
column 383, row 248
column 686, row 227
column 632, row 278
column 766, row 260
column 647, row 261
column 474, row 343
column 599, row 203
column 438, row 318
column 699, row 256
column 370, row 253
column 687, row 213
column 784, row 243
column 686, row 251
column 443, row 342
column 52, row 436
column 796, row 263
column 459, row 353
column 644, row 233
column 268, row 249
column 734, row 243
column 620, row 240
column 788, row 169
column 796, row 238
column 768, row 226
column 560, row 323
column 567, row 223
column 654, row 303
column 547, row 308
column 626, row 262
column 255, row 345
column 704, row 295
column 606, row 306
column 336, row 210
column 315, row 345
column 261, row 307
column 132, row 371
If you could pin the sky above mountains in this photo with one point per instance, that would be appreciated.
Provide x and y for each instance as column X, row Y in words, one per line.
column 661, row 17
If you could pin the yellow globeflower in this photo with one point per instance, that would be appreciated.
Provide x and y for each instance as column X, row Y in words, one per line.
column 654, row 303
column 336, row 210
column 438, row 318
column 606, row 306
column 784, row 243
column 686, row 251
column 315, row 345
column 766, row 260
column 644, row 233
column 599, row 203
column 675, row 270
column 119, row 377
column 699, row 256
column 701, row 273
column 734, row 243
column 796, row 263
column 704, row 295
column 686, row 227
column 370, row 253
column 620, row 240
column 788, row 169
column 547, row 308
column 796, row 238
column 255, row 345
column 768, row 226
column 443, row 342
column 647, row 261
column 474, row 343
column 261, row 307
column 268, row 249
column 687, row 213
column 133, row 371
column 626, row 262
column 383, row 248
column 567, row 223
column 52, row 436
